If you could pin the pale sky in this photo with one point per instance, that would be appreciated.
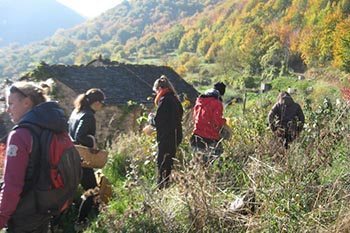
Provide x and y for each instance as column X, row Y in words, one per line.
column 90, row 8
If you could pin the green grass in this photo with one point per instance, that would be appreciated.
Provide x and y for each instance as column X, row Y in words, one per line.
column 304, row 189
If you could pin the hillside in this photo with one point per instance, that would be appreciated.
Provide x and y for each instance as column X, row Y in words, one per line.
column 22, row 22
column 243, row 37
column 105, row 35
column 303, row 189
column 243, row 43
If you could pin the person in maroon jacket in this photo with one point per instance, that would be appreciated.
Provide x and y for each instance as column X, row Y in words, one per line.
column 208, row 122
column 26, row 103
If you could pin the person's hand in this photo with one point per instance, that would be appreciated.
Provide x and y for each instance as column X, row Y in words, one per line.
column 150, row 118
column 279, row 132
column 273, row 127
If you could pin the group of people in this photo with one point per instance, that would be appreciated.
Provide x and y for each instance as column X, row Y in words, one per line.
column 208, row 122
column 286, row 120
column 27, row 102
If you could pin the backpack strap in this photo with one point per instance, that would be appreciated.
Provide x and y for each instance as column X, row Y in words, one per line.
column 39, row 187
column 33, row 168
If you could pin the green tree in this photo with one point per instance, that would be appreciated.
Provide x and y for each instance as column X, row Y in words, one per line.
column 273, row 61
column 212, row 52
column 192, row 65
column 205, row 42
column 252, row 48
column 345, row 6
column 228, row 60
column 189, row 42
column 125, row 34
column 326, row 35
column 171, row 39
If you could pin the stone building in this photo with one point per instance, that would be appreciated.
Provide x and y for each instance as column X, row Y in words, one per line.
column 128, row 90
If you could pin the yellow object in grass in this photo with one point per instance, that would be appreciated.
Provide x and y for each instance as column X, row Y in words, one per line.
column 228, row 122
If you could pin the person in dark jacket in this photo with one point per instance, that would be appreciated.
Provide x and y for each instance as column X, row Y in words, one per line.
column 286, row 118
column 208, row 122
column 82, row 130
column 168, row 123
column 27, row 104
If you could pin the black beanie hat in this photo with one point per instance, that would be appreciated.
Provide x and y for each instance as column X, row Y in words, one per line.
column 221, row 87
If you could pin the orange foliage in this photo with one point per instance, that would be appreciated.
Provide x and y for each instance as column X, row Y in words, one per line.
column 341, row 47
column 346, row 94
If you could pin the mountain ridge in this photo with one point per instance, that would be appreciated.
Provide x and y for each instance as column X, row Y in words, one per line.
column 242, row 37
column 24, row 22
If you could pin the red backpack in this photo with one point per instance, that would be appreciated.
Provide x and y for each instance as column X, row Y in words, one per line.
column 53, row 172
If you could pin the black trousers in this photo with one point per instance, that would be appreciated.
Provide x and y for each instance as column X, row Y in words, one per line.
column 88, row 181
column 26, row 219
column 36, row 223
column 211, row 148
column 166, row 153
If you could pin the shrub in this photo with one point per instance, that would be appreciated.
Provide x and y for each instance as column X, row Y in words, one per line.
column 304, row 188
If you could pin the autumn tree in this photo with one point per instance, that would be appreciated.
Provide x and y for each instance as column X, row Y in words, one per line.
column 189, row 41
column 341, row 49
column 171, row 39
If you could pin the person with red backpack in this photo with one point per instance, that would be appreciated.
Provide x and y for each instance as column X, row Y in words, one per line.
column 82, row 130
column 33, row 189
column 208, row 122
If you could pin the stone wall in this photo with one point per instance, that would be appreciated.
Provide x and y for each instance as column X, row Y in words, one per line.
column 65, row 96
column 110, row 121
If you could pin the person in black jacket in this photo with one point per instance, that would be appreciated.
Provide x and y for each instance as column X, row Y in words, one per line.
column 82, row 129
column 168, row 123
column 286, row 118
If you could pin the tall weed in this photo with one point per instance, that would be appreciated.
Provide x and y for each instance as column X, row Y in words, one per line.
column 303, row 189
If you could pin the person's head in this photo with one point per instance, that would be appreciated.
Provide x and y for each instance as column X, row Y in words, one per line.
column 93, row 98
column 162, row 83
column 22, row 97
column 284, row 98
column 220, row 87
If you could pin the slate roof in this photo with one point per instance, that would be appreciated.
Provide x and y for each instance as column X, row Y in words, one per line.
column 121, row 82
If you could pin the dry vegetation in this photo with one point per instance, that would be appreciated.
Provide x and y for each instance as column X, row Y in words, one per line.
column 303, row 189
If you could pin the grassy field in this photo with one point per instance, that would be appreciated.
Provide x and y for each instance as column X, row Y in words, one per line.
column 302, row 189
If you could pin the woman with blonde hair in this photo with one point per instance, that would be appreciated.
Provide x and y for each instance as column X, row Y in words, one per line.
column 26, row 104
column 168, row 125
column 82, row 130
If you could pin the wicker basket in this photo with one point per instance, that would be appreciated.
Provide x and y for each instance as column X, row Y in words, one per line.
column 92, row 158
column 149, row 130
